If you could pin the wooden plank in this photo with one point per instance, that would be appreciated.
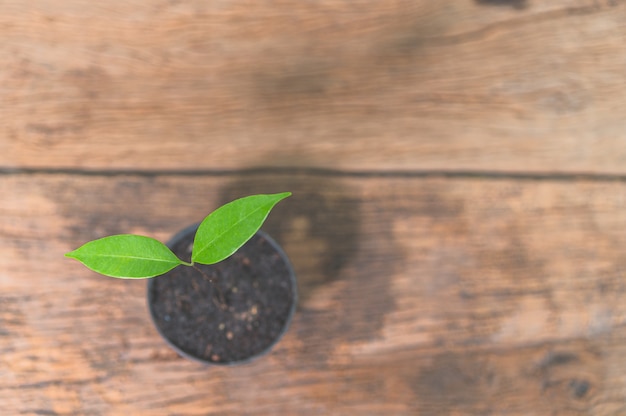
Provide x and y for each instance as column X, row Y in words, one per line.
column 369, row 85
column 420, row 296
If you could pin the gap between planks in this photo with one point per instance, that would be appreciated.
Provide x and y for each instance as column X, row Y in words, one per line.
column 313, row 171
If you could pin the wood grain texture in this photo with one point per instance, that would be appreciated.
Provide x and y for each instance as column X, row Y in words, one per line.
column 419, row 296
column 361, row 85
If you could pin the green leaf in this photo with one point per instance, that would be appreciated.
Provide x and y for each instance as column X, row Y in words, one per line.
column 126, row 256
column 230, row 226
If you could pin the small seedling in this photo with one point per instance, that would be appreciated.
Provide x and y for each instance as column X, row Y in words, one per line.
column 220, row 234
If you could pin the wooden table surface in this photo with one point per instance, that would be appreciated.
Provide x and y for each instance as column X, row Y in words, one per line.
column 457, row 225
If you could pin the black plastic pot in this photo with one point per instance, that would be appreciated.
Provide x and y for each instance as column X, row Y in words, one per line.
column 226, row 313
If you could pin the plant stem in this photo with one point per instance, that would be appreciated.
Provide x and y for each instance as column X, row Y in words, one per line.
column 220, row 295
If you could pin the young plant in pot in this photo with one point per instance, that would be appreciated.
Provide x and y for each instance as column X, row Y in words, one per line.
column 234, row 297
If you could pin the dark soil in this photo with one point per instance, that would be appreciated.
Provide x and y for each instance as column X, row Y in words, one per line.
column 233, row 310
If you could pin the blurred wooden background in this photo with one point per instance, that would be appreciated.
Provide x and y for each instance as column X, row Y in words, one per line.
column 457, row 224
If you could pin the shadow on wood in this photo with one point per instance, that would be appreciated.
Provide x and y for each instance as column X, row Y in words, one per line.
column 320, row 219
